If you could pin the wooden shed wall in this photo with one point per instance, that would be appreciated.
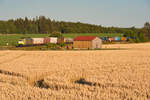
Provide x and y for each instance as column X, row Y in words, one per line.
column 82, row 44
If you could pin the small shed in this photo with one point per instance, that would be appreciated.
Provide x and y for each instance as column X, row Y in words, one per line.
column 87, row 42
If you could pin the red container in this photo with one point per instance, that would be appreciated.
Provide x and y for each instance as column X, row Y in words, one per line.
column 46, row 40
column 111, row 39
column 61, row 40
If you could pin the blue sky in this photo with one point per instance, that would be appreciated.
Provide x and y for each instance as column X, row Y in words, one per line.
column 120, row 13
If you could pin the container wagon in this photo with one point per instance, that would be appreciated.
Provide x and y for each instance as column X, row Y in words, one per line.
column 111, row 39
column 36, row 41
column 117, row 39
column 53, row 40
column 68, row 40
column 123, row 38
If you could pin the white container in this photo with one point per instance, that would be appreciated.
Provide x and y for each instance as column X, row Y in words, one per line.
column 38, row 40
column 68, row 40
column 53, row 40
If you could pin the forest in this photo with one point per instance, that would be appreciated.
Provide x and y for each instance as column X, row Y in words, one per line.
column 43, row 25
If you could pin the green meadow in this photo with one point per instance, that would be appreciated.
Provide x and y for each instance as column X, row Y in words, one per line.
column 12, row 39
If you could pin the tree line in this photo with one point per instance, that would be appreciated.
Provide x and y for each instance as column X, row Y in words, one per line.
column 43, row 25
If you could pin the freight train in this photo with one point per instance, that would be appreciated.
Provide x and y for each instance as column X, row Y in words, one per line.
column 116, row 39
column 37, row 41
column 43, row 41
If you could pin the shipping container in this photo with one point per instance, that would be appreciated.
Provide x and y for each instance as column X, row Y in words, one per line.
column 28, row 41
column 60, row 40
column 53, row 40
column 117, row 38
column 132, row 37
column 107, row 38
column 111, row 39
column 104, row 38
column 127, row 38
column 123, row 39
column 46, row 40
column 68, row 40
column 38, row 41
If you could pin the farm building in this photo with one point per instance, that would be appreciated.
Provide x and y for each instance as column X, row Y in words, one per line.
column 87, row 42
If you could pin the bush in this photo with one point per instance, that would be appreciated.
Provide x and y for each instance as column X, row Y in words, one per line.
column 132, row 40
column 62, row 44
column 56, row 34
column 52, row 46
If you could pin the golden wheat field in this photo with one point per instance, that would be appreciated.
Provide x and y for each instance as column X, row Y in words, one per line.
column 77, row 75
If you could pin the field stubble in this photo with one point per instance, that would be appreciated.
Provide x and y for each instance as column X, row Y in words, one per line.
column 76, row 75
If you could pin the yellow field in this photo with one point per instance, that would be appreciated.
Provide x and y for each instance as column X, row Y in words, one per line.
column 77, row 75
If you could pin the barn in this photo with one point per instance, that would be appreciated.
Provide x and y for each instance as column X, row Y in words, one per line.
column 87, row 42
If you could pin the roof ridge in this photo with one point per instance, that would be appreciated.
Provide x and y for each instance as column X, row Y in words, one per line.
column 84, row 38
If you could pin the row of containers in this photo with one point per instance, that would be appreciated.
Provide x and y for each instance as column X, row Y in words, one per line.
column 40, row 41
column 111, row 39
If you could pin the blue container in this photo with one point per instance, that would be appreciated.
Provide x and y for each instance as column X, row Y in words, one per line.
column 104, row 38
column 117, row 38
column 133, row 37
column 107, row 38
column 127, row 38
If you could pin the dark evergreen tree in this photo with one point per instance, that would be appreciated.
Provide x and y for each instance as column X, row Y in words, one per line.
column 44, row 25
column 146, row 30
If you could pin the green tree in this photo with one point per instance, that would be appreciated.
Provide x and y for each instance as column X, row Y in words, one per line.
column 56, row 34
column 42, row 25
column 146, row 30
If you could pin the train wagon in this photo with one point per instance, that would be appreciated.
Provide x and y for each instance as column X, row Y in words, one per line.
column 60, row 40
column 37, row 41
column 123, row 38
column 117, row 38
column 47, row 40
column 104, row 38
column 111, row 39
column 53, row 40
column 68, row 40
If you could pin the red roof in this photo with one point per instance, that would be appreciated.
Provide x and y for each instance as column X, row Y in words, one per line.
column 84, row 38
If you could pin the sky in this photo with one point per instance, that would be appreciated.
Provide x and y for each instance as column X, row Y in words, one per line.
column 117, row 13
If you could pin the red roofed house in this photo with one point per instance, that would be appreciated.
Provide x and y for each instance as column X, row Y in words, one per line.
column 87, row 42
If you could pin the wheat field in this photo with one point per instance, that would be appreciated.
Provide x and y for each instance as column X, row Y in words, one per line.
column 77, row 75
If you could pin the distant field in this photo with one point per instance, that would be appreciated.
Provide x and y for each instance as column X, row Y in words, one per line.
column 13, row 38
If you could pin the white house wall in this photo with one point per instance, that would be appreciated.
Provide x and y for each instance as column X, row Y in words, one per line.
column 97, row 43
